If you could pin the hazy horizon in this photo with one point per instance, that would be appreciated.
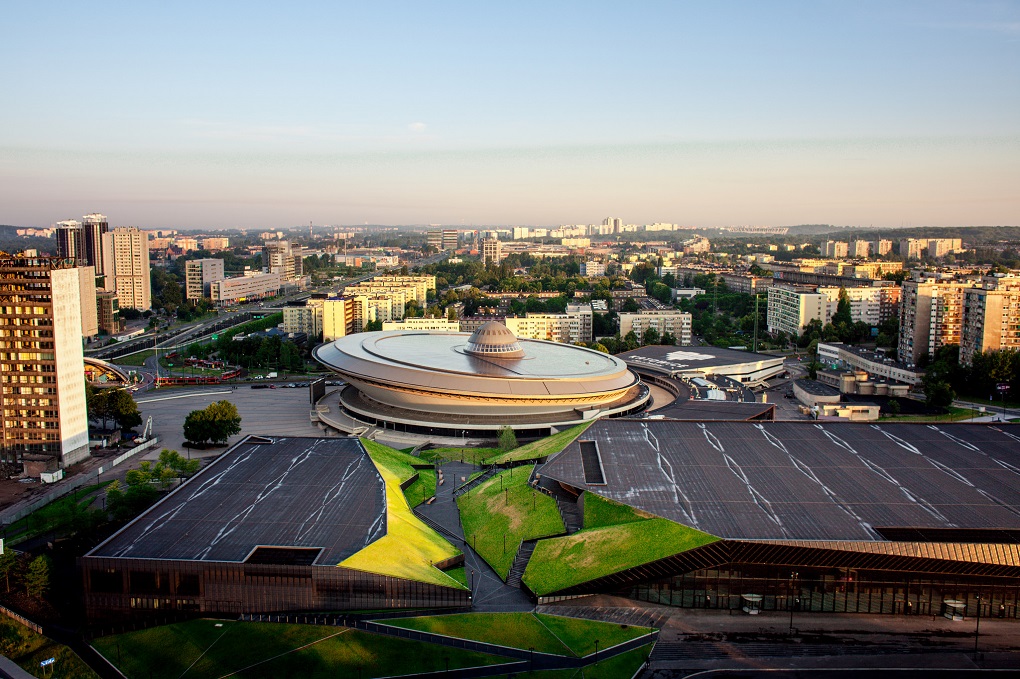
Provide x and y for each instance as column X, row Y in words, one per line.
column 882, row 115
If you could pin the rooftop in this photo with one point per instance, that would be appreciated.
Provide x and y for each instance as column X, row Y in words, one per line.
column 664, row 358
column 805, row 481
column 307, row 493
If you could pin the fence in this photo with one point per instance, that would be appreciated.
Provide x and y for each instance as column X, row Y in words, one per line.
column 69, row 485
column 22, row 619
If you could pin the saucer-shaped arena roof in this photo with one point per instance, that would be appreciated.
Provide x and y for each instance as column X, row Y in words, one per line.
column 444, row 362
column 496, row 340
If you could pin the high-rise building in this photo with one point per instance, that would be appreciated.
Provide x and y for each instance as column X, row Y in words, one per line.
column 283, row 258
column 215, row 243
column 87, row 298
column 860, row 249
column 126, row 267
column 991, row 321
column 94, row 227
column 492, row 252
column 931, row 317
column 791, row 309
column 41, row 361
column 108, row 312
column 200, row 274
column 304, row 318
column 451, row 239
column 881, row 247
column 69, row 240
column 593, row 268
column 835, row 248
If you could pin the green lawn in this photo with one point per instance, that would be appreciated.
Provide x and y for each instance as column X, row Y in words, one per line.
column 410, row 548
column 28, row 649
column 134, row 359
column 954, row 415
column 545, row 633
column 600, row 511
column 542, row 448
column 470, row 455
column 199, row 649
column 400, row 463
column 66, row 512
column 622, row 666
column 562, row 562
column 506, row 505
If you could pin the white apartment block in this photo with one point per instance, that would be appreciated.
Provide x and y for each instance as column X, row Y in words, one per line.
column 676, row 323
column 215, row 243
column 835, row 248
column 991, row 321
column 126, row 267
column 492, row 252
column 423, row 324
column 87, row 296
column 790, row 310
column 255, row 285
column 199, row 275
column 421, row 283
column 307, row 318
column 867, row 305
column 931, row 316
column 593, row 268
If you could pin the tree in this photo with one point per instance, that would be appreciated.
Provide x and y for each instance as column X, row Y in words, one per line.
column 37, row 578
column 121, row 406
column 843, row 311
column 893, row 407
column 507, row 439
column 217, row 423
column 373, row 326
column 650, row 336
column 668, row 338
column 8, row 565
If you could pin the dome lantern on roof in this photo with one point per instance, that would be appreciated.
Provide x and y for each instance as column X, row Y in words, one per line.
column 494, row 340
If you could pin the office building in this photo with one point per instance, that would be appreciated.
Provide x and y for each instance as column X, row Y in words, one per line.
column 83, row 241
column 199, row 275
column 126, row 266
column 252, row 285
column 444, row 239
column 282, row 258
column 931, row 317
column 108, row 312
column 41, row 361
column 676, row 323
column 87, row 297
column 791, row 309
column 491, row 251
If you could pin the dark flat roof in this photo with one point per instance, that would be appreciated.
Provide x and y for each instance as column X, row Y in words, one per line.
column 663, row 357
column 712, row 410
column 816, row 388
column 282, row 492
column 806, row 481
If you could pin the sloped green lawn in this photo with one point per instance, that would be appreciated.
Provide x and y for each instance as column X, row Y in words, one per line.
column 562, row 562
column 539, row 449
column 506, row 505
column 600, row 511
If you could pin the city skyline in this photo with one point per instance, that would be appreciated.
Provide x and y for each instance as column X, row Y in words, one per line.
column 245, row 117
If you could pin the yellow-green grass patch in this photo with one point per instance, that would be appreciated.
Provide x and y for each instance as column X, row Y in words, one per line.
column 621, row 666
column 400, row 463
column 516, row 630
column 600, row 511
column 542, row 448
column 505, row 505
column 566, row 561
column 410, row 548
column 579, row 634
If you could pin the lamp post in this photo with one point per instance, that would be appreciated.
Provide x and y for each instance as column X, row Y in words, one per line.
column 793, row 582
column 596, row 651
column 977, row 626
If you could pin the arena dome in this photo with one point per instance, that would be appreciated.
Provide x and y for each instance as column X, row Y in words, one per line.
column 494, row 340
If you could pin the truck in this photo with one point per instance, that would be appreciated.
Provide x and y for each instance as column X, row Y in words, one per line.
column 271, row 376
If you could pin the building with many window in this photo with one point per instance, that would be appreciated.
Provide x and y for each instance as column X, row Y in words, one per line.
column 931, row 317
column 41, row 362
column 991, row 321
column 282, row 258
column 791, row 309
column 83, row 241
column 199, row 275
column 126, row 267
column 426, row 324
column 492, row 252
column 253, row 285
column 676, row 323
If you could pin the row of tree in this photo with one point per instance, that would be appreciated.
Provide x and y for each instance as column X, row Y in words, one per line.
column 945, row 377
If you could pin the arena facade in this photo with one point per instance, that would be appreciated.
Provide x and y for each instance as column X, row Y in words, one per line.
column 834, row 517
column 460, row 384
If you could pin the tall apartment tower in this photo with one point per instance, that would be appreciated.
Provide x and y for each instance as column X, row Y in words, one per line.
column 126, row 267
column 41, row 362
column 492, row 252
column 93, row 227
column 991, row 321
column 200, row 274
column 931, row 317
column 69, row 240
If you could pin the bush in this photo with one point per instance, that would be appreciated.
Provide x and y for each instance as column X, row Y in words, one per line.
column 507, row 439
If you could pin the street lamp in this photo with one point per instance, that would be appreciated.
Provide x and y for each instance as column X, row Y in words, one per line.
column 596, row 651
column 793, row 582
column 977, row 626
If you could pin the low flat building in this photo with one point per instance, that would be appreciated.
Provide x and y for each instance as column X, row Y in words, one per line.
column 429, row 324
column 244, row 288
column 875, row 363
column 676, row 323
column 744, row 367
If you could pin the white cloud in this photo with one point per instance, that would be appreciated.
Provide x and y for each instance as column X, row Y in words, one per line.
column 417, row 127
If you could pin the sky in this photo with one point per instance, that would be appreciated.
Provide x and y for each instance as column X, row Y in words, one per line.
column 258, row 115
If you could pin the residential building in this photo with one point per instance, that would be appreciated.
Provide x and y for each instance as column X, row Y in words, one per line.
column 215, row 244
column 593, row 268
column 860, row 249
column 422, row 284
column 253, row 285
column 575, row 325
column 835, row 248
column 108, row 312
column 305, row 318
column 791, row 309
column 87, row 301
column 491, row 251
column 283, row 258
column 339, row 316
column 423, row 324
column 867, row 305
column 398, row 294
column 83, row 241
column 931, row 317
column 991, row 321
column 41, row 362
column 746, row 284
column 199, row 275
column 676, row 323
column 685, row 293
column 881, row 247
column 186, row 243
column 126, row 267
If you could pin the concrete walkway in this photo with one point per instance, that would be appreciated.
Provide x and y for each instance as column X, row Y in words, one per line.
column 489, row 592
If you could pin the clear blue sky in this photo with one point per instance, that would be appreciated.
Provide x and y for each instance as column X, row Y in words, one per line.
column 194, row 115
